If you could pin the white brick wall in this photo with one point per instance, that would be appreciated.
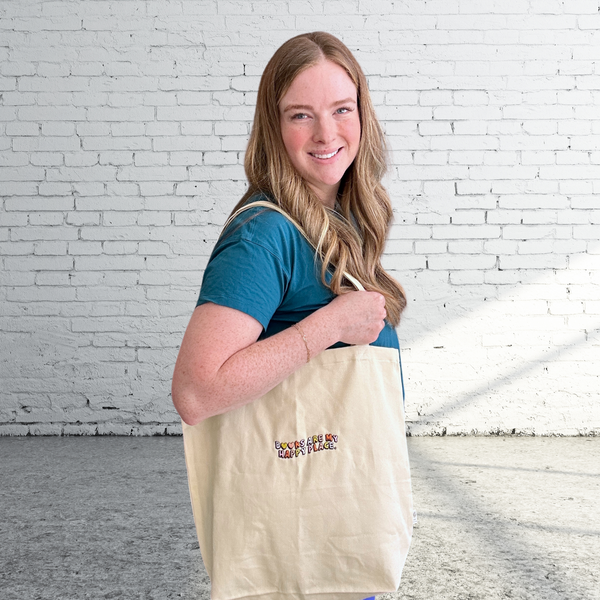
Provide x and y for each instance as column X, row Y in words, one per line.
column 122, row 132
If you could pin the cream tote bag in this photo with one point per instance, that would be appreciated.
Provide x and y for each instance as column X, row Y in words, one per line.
column 305, row 493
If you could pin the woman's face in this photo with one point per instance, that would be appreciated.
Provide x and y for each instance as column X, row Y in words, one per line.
column 320, row 127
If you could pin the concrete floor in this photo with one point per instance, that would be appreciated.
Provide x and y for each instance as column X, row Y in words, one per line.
column 109, row 517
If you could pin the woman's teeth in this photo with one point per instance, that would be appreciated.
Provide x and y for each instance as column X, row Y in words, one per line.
column 325, row 155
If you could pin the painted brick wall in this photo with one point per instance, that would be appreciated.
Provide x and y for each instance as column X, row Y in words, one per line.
column 122, row 131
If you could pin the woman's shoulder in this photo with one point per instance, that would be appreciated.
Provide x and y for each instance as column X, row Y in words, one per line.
column 262, row 225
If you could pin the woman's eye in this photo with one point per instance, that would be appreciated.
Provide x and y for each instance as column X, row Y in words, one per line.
column 299, row 116
column 342, row 110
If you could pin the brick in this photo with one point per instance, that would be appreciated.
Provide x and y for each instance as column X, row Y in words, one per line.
column 51, row 113
column 50, row 248
column 503, row 277
column 533, row 201
column 46, row 159
column 528, row 232
column 466, row 232
column 430, row 247
column 21, row 174
column 403, row 263
column 119, row 219
column 11, row 219
column 108, row 263
column 7, row 113
column 464, row 277
column 146, row 159
column 116, row 159
column 82, row 248
column 41, row 294
column 435, row 97
column 13, row 248
column 37, row 203
column 432, row 218
column 154, row 248
column 18, row 128
column 46, row 144
column 221, row 158
column 186, row 143
column 461, row 262
column 152, row 173
column 566, row 307
column 120, row 247
column 166, row 128
column 93, row 129
column 524, row 187
column 39, row 263
column 156, row 188
column 44, row 233
column 533, row 262
column 108, row 114
column 428, row 128
column 154, row 218
column 579, row 172
column 88, row 188
column 538, row 157
column 468, row 218
column 185, row 158
column 128, row 129
column 79, row 174
column 536, row 247
column 413, row 232
column 574, row 217
column 465, row 247
column 113, row 233
column 55, row 189
column 217, row 173
column 58, row 128
column 194, row 83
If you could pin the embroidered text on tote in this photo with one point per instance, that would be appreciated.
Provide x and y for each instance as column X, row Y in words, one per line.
column 314, row 443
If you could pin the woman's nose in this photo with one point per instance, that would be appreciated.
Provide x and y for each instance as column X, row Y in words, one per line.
column 324, row 131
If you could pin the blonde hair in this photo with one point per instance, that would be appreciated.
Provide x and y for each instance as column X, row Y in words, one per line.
column 353, row 240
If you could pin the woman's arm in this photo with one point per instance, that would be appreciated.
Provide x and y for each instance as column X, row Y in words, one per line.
column 221, row 365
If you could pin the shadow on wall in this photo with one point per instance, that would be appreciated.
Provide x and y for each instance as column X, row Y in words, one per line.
column 519, row 358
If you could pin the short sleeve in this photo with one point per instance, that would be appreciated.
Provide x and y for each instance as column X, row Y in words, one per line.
column 247, row 276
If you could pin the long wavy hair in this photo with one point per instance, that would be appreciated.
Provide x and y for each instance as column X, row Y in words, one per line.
column 352, row 238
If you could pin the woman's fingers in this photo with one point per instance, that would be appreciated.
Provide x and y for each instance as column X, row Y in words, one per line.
column 360, row 316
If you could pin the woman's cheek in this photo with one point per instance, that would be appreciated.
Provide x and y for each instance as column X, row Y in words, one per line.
column 295, row 138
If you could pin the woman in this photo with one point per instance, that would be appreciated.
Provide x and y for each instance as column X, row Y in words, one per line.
column 269, row 302
column 315, row 141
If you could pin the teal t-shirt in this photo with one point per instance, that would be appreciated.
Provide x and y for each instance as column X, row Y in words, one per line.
column 264, row 267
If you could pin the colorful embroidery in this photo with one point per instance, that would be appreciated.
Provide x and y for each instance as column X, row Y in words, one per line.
column 314, row 443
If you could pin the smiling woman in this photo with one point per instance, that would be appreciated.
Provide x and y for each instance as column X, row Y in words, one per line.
column 296, row 278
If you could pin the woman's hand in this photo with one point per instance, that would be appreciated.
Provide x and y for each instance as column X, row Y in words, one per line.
column 358, row 315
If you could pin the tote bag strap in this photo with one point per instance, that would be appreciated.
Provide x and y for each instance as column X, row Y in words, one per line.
column 355, row 282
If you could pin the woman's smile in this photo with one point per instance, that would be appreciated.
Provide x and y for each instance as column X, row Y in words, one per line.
column 326, row 155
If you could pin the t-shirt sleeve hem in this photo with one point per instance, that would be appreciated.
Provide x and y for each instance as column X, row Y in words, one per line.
column 231, row 302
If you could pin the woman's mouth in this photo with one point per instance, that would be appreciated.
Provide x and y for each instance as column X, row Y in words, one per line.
column 325, row 156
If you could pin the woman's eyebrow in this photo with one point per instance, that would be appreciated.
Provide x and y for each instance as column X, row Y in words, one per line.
column 297, row 107
column 345, row 101
column 308, row 107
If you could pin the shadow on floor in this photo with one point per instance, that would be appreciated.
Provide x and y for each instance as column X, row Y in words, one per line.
column 109, row 517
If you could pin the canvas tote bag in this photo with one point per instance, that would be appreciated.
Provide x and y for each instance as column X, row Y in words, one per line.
column 305, row 493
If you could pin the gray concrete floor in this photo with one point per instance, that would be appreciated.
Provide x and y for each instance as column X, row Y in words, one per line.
column 109, row 517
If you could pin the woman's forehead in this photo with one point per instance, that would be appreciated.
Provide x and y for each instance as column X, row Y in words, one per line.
column 325, row 82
